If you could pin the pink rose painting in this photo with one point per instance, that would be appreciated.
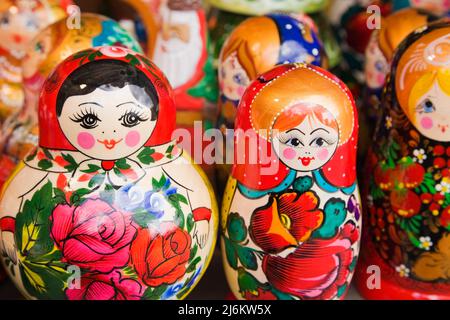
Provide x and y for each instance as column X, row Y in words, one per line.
column 111, row 286
column 94, row 235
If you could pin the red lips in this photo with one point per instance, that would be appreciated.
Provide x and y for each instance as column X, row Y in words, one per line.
column 109, row 144
column 306, row 160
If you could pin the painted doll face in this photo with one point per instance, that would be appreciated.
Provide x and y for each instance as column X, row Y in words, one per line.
column 376, row 66
column 107, row 124
column 308, row 146
column 431, row 114
column 233, row 80
column 18, row 27
column 37, row 52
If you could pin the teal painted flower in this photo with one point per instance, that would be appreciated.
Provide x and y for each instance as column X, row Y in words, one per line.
column 334, row 216
column 235, row 251
column 303, row 184
column 236, row 228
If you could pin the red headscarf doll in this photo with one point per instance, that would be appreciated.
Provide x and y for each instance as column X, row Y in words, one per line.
column 52, row 136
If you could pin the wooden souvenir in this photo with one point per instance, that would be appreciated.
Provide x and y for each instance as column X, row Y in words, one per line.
column 407, row 197
column 107, row 206
column 291, row 211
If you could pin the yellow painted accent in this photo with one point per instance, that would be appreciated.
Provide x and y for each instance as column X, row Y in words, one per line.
column 214, row 219
column 16, row 170
column 286, row 221
column 277, row 226
column 35, row 280
column 227, row 200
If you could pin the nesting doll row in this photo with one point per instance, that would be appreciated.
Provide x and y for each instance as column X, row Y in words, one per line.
column 107, row 202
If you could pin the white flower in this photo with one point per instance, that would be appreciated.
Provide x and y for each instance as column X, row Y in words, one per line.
column 419, row 155
column 425, row 243
column 443, row 187
column 402, row 270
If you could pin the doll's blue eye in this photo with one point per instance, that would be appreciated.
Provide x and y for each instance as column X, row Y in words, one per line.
column 428, row 106
column 379, row 66
column 239, row 79
column 32, row 25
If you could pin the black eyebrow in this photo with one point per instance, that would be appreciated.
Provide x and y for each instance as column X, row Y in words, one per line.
column 137, row 105
column 318, row 130
column 94, row 103
column 295, row 129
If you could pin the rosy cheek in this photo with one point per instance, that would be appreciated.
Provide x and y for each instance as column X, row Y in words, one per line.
column 241, row 90
column 132, row 138
column 380, row 79
column 289, row 153
column 426, row 123
column 85, row 140
column 322, row 154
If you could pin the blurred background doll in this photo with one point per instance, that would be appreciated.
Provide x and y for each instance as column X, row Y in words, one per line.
column 20, row 22
column 225, row 15
column 183, row 53
column 379, row 53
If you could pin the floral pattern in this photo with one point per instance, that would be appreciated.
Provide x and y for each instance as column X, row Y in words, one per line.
column 287, row 220
column 293, row 232
column 113, row 237
column 409, row 192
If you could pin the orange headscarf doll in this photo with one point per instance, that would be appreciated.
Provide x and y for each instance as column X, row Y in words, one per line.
column 322, row 99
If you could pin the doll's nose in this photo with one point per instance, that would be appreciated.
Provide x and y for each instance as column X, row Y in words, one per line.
column 114, row 131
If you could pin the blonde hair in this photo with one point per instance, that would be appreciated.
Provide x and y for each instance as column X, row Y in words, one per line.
column 415, row 74
column 256, row 43
column 424, row 84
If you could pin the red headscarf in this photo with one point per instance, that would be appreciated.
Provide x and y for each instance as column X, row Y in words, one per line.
column 51, row 135
column 273, row 93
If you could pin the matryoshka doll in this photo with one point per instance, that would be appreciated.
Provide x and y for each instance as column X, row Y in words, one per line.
column 407, row 235
column 20, row 21
column 254, row 47
column 379, row 53
column 354, row 31
column 291, row 211
column 54, row 44
column 182, row 52
column 227, row 14
column 108, row 206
